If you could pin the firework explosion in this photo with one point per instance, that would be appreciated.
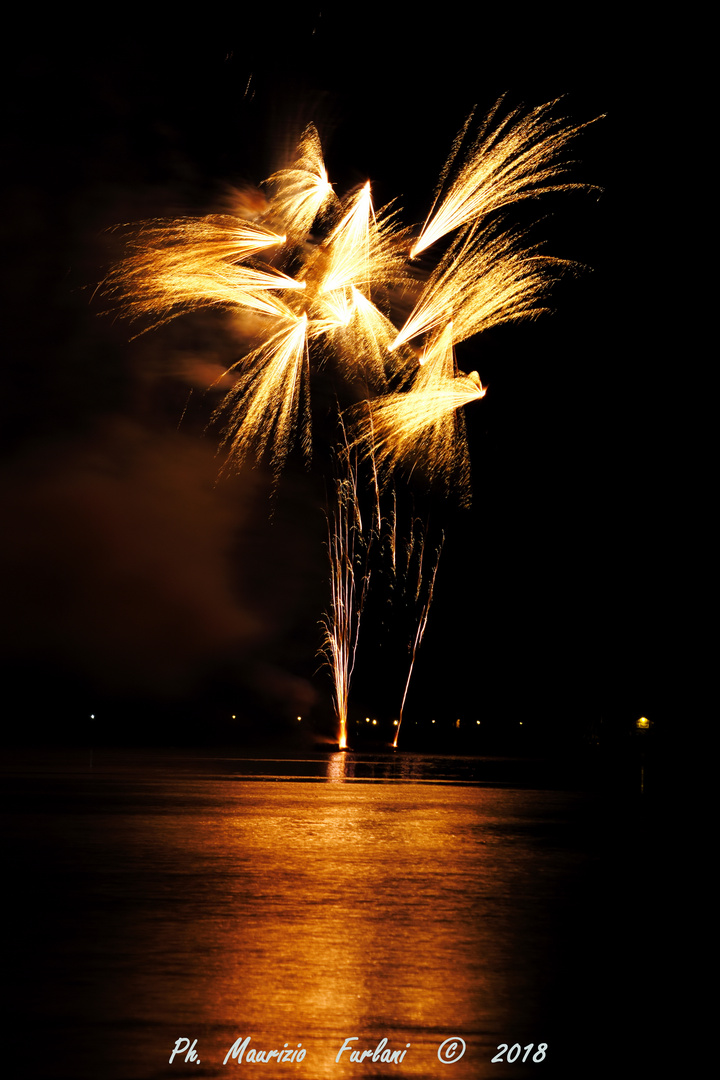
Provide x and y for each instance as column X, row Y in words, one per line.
column 313, row 276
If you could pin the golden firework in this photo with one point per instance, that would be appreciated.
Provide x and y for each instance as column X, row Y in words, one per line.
column 276, row 372
column 302, row 191
column 424, row 427
column 348, row 548
column 335, row 269
column 514, row 159
column 487, row 280
column 190, row 263
column 313, row 275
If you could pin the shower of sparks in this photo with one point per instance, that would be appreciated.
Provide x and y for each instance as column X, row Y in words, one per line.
column 516, row 159
column 349, row 579
column 303, row 190
column 328, row 284
column 313, row 275
column 336, row 267
column 424, row 426
column 278, row 371
column 188, row 263
column 487, row 280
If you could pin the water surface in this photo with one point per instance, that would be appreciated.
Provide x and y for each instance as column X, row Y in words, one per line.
column 306, row 901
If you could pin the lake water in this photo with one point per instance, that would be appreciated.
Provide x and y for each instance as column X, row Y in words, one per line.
column 311, row 901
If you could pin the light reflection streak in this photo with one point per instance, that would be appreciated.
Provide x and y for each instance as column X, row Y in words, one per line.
column 349, row 917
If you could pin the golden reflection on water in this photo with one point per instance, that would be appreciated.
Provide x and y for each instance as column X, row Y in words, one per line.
column 320, row 912
column 340, row 767
column 354, row 931
column 308, row 912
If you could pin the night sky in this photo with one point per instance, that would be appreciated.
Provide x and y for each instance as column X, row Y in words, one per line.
column 136, row 586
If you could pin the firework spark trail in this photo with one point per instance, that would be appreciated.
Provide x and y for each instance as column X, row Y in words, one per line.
column 276, row 372
column 492, row 279
column 516, row 160
column 188, row 263
column 363, row 249
column 303, row 191
column 361, row 254
column 348, row 246
column 420, row 630
column 424, row 424
column 349, row 577
column 359, row 333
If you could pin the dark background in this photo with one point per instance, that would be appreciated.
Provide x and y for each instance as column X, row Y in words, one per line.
column 140, row 590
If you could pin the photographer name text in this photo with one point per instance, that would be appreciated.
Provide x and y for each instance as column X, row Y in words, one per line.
column 449, row 1051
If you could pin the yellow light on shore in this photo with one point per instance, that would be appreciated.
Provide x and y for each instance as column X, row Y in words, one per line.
column 642, row 724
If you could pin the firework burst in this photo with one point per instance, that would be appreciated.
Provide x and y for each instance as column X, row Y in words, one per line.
column 424, row 426
column 302, row 191
column 335, row 265
column 515, row 158
column 314, row 275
